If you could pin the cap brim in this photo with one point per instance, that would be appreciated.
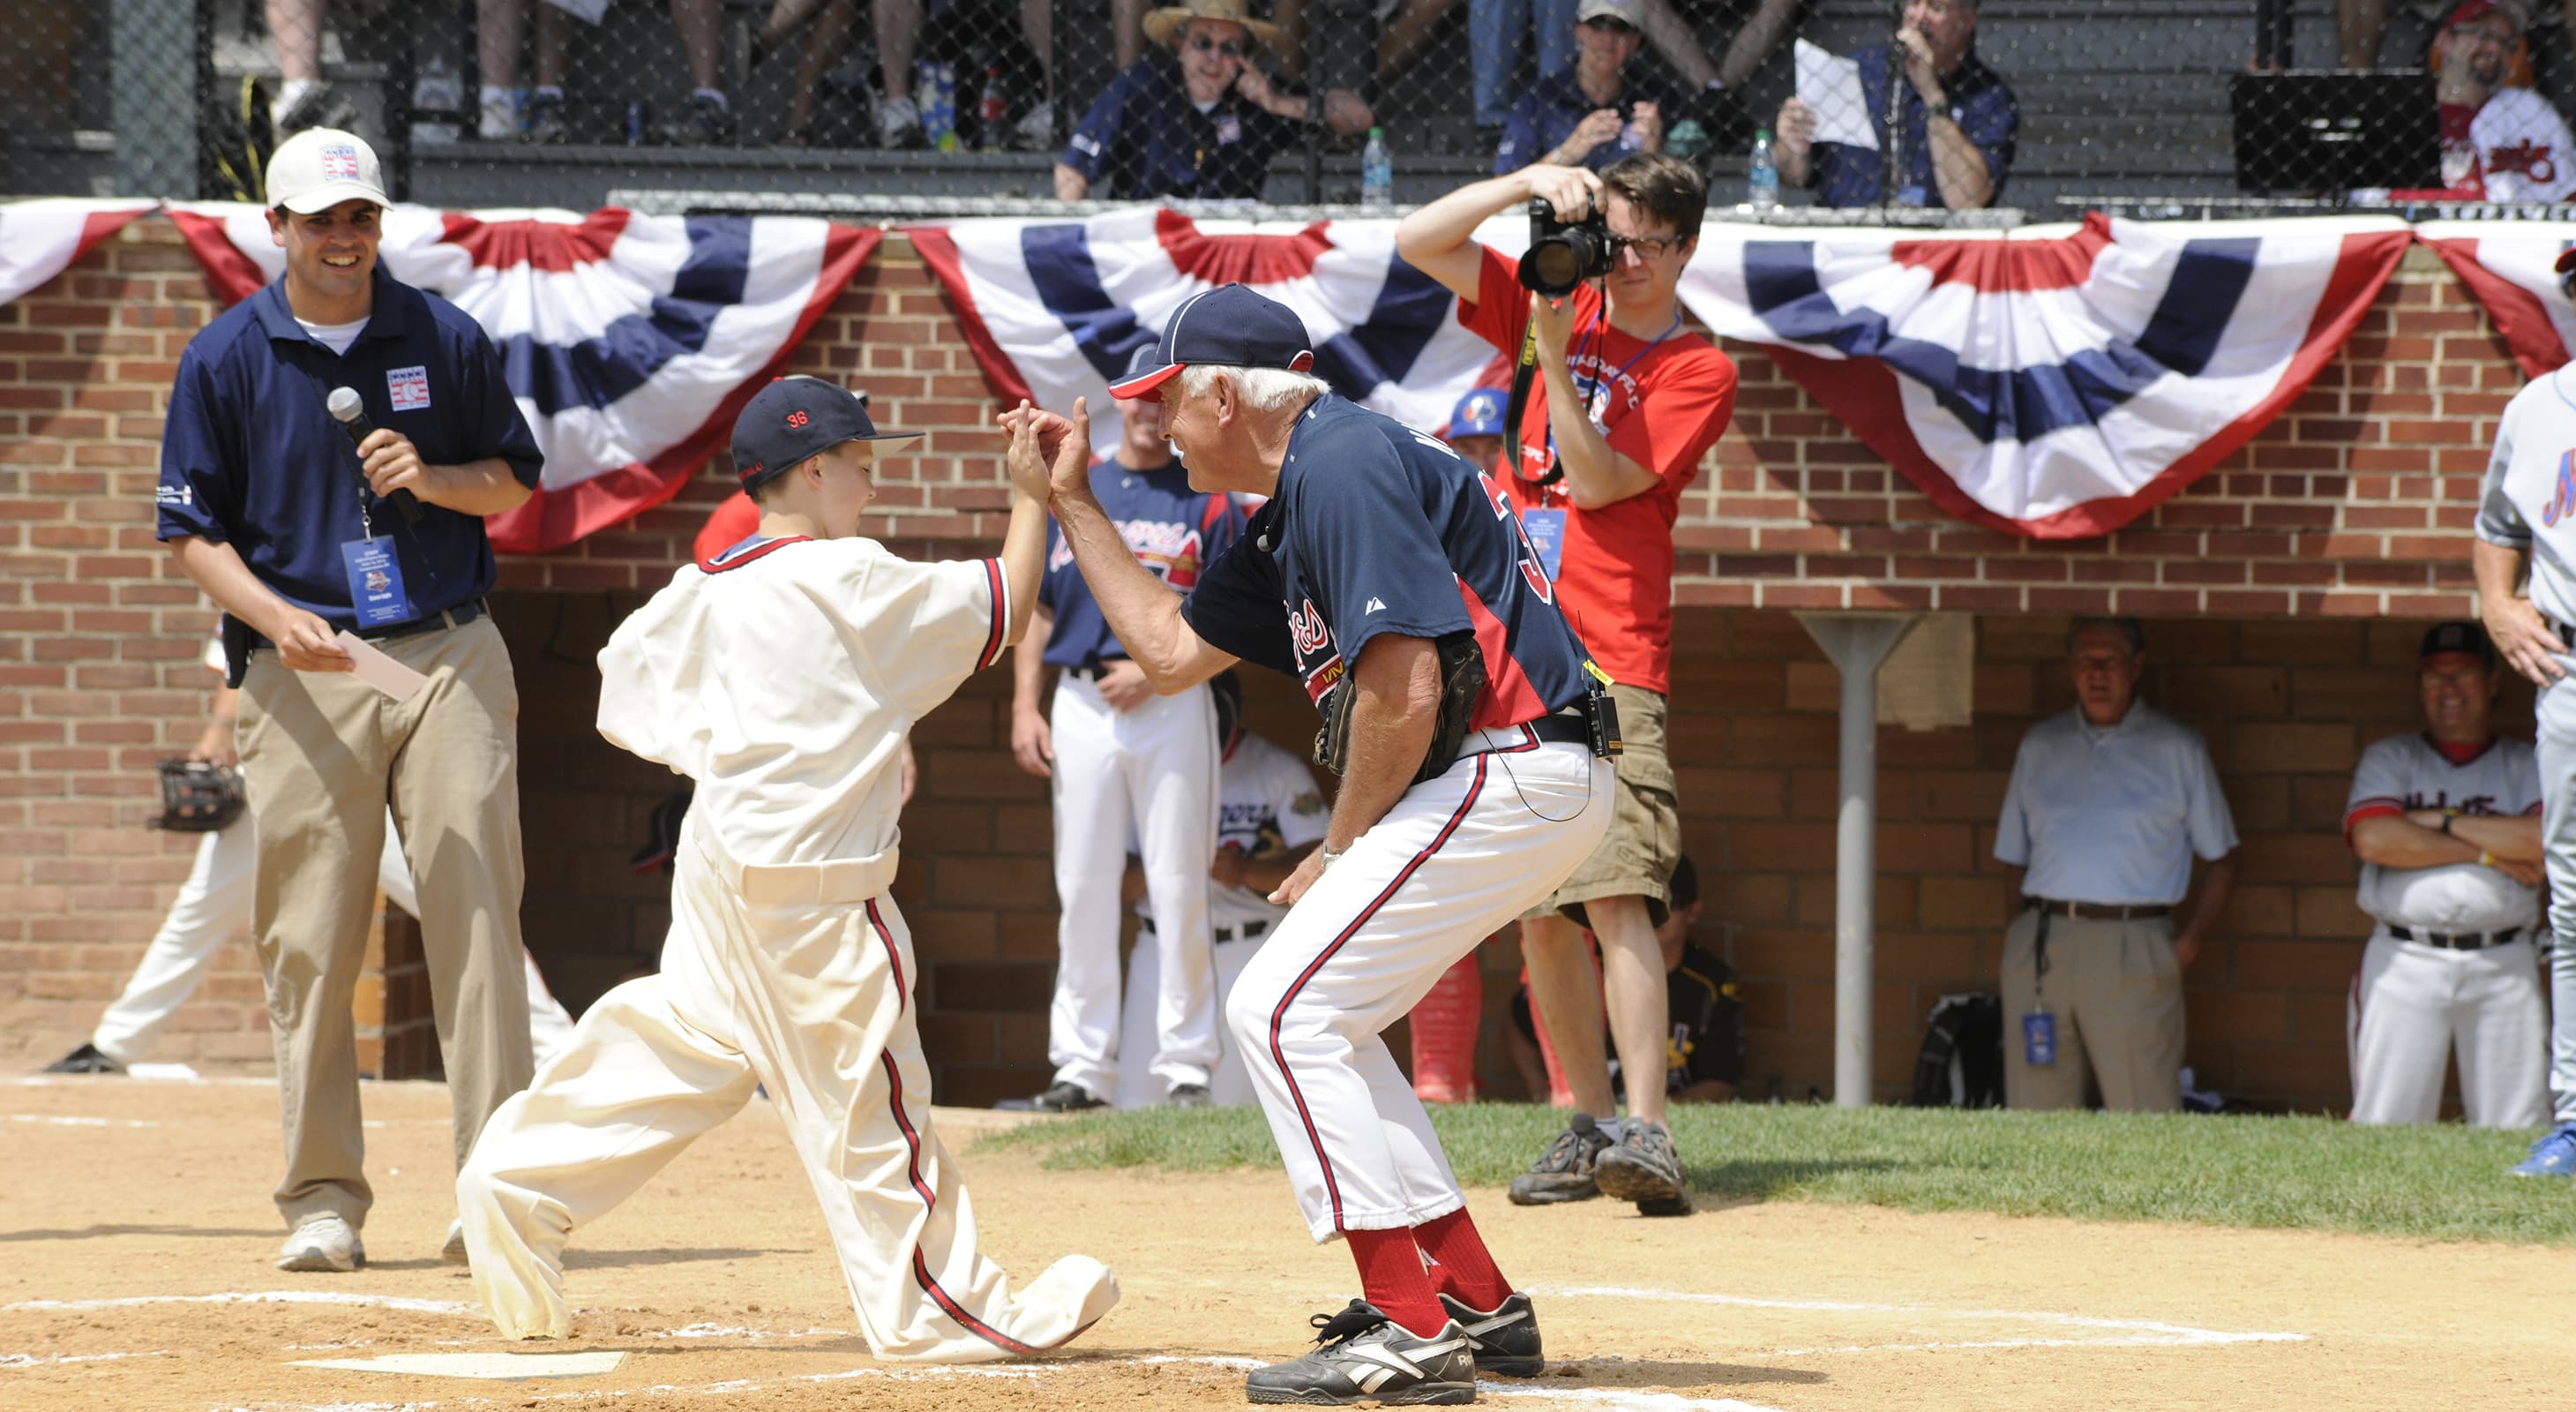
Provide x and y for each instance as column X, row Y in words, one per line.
column 1144, row 384
column 323, row 198
column 2566, row 260
column 888, row 434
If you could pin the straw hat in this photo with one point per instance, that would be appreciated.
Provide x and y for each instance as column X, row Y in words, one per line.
column 1163, row 26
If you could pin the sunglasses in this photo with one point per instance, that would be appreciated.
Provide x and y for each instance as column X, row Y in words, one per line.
column 1230, row 48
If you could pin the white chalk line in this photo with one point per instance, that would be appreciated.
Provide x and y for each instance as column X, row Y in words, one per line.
column 2128, row 1333
column 75, row 1120
column 275, row 1296
column 38, row 1360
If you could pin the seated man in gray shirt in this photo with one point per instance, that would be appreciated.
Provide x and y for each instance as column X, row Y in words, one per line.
column 2108, row 804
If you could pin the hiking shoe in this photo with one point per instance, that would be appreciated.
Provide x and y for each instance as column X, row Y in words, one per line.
column 1189, row 1096
column 899, row 125
column 2554, row 1155
column 85, row 1060
column 1641, row 1166
column 453, row 1249
column 1564, row 1171
column 1504, row 1340
column 1367, row 1356
column 546, row 125
column 324, row 1242
column 1066, row 1096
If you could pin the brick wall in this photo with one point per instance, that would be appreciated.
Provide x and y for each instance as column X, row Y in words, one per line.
column 2352, row 507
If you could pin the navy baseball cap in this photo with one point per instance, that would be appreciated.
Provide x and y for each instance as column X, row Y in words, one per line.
column 1480, row 413
column 797, row 417
column 2457, row 637
column 1229, row 326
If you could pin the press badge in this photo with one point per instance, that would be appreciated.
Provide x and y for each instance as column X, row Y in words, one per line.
column 375, row 582
column 1546, row 531
column 1229, row 129
column 2039, row 1039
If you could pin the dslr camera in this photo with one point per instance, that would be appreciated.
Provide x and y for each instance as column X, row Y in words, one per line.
column 1563, row 254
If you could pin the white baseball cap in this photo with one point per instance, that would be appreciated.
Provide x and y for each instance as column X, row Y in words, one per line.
column 321, row 167
column 1624, row 11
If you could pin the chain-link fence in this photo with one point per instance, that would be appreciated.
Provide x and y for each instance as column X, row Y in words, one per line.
column 1867, row 104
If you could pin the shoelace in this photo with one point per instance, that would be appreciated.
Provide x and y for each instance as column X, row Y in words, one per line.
column 1355, row 1319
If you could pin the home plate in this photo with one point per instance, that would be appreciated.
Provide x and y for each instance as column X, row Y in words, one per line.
column 507, row 1367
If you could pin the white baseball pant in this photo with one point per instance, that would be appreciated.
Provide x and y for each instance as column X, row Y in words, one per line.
column 213, row 906
column 2412, row 1002
column 1455, row 859
column 1153, row 772
column 1229, row 1083
column 2554, row 713
column 809, row 992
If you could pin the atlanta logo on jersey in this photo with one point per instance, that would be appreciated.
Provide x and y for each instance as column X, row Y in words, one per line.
column 1172, row 551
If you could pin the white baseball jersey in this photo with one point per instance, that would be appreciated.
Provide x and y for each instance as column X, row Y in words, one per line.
column 2407, row 772
column 782, row 678
column 2517, row 148
column 2529, row 500
column 1267, row 806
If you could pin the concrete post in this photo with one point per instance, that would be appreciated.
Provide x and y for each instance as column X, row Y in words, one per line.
column 1857, row 643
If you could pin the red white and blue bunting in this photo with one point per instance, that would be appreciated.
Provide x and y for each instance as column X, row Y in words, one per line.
column 2507, row 265
column 40, row 239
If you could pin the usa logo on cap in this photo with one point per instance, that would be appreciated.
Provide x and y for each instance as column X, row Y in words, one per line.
column 339, row 161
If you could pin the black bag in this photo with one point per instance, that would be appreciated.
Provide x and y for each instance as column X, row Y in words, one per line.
column 1962, row 1063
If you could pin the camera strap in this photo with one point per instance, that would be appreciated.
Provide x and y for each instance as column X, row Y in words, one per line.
column 1519, row 402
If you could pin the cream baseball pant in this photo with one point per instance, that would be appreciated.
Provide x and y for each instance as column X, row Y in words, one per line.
column 1151, row 772
column 324, row 757
column 2116, row 992
column 2412, row 1002
column 1456, row 858
column 213, row 904
column 808, row 991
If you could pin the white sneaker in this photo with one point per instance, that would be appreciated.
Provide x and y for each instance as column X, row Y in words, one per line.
column 1035, row 132
column 453, row 1252
column 899, row 124
column 323, row 1242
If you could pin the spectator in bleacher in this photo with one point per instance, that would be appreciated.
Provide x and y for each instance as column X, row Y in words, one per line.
column 303, row 99
column 2373, row 34
column 707, row 121
column 1205, row 127
column 1597, row 112
column 898, row 26
column 2499, row 142
column 1494, row 50
column 2107, row 805
column 1960, row 121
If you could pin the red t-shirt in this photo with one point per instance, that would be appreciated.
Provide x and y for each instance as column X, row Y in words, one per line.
column 734, row 521
column 1616, row 579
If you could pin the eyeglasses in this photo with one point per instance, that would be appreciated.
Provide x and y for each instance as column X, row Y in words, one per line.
column 1230, row 48
column 1650, row 247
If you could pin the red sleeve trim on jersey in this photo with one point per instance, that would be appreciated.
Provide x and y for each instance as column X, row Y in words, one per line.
column 2532, row 813
column 2379, row 808
column 1001, row 588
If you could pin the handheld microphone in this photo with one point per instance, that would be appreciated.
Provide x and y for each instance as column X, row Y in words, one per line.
column 351, row 414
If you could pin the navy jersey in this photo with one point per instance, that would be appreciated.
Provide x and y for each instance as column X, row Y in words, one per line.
column 1174, row 530
column 1378, row 528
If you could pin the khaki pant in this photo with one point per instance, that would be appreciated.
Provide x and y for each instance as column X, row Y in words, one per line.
column 324, row 755
column 1645, row 839
column 2116, row 994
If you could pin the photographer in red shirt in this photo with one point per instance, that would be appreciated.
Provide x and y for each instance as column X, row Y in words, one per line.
column 1623, row 404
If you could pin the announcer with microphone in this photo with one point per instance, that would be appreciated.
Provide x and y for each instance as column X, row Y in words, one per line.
column 306, row 540
column 1955, row 121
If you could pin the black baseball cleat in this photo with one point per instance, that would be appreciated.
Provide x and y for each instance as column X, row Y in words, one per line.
column 85, row 1060
column 1504, row 1340
column 1066, row 1096
column 1367, row 1357
column 1189, row 1096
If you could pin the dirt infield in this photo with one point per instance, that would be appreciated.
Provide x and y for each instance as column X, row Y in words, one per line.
column 137, row 1236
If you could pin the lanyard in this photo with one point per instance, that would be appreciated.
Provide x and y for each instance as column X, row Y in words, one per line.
column 1600, row 320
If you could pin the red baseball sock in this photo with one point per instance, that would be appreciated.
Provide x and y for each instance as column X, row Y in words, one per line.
column 1464, row 1268
column 1391, row 1278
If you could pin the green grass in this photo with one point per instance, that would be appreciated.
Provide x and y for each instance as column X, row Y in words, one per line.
column 2304, row 1173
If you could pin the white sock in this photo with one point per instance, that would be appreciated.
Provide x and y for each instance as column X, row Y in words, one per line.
column 1715, row 85
column 550, row 90
column 715, row 93
column 500, row 111
column 289, row 93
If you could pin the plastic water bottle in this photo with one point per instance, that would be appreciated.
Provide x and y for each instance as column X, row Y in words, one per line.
column 1377, row 171
column 992, row 110
column 1762, row 175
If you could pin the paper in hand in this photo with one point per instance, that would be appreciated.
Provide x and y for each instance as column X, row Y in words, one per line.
column 1829, row 85
column 378, row 670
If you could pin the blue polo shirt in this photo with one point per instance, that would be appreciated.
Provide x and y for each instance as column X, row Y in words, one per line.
column 1981, row 103
column 1556, row 105
column 1174, row 531
column 1144, row 137
column 251, row 457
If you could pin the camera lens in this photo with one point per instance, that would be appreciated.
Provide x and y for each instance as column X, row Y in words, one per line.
column 1555, row 267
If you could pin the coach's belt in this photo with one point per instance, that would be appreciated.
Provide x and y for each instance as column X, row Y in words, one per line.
column 2096, row 911
column 1089, row 672
column 2566, row 634
column 1247, row 932
column 455, row 617
column 2456, row 941
column 1558, row 730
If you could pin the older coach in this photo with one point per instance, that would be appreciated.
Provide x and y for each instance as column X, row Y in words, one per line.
column 2107, row 806
column 301, row 540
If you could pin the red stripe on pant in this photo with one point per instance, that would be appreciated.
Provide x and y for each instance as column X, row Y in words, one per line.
column 1305, row 1116
column 912, row 1168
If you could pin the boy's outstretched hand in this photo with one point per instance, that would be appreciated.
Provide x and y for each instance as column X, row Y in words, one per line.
column 1024, row 460
column 1061, row 444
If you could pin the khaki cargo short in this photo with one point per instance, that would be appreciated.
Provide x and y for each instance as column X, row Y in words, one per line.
column 1645, row 840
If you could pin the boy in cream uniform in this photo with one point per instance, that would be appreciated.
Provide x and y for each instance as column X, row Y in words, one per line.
column 782, row 677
